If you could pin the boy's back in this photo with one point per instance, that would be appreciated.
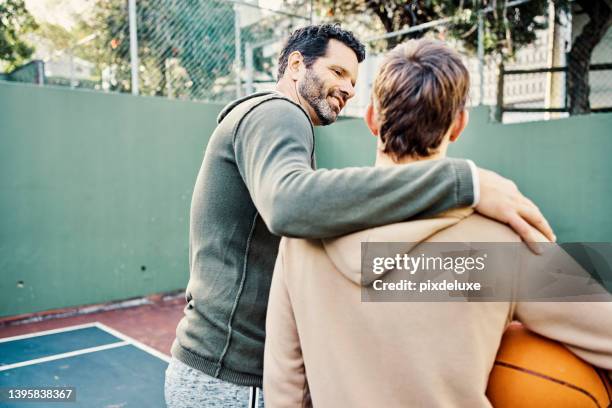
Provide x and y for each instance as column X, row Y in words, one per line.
column 323, row 341
column 399, row 354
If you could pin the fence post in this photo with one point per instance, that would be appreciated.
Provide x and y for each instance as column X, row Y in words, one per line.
column 237, row 45
column 71, row 60
column 133, row 45
column 499, row 112
column 40, row 72
column 248, row 61
column 481, row 56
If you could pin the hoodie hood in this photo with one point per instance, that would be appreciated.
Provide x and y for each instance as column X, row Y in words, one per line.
column 228, row 108
column 345, row 251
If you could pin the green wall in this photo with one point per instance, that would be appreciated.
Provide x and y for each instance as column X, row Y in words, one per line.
column 563, row 165
column 95, row 186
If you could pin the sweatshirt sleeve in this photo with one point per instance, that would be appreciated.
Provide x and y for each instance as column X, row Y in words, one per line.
column 284, row 382
column 274, row 148
column 584, row 327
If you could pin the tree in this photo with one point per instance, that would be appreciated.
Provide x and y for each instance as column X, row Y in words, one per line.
column 15, row 22
column 579, row 58
column 506, row 29
column 190, row 41
column 58, row 36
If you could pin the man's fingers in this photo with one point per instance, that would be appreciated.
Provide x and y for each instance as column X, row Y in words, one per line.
column 533, row 216
column 526, row 231
column 500, row 199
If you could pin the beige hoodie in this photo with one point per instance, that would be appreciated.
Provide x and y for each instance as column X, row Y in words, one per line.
column 324, row 347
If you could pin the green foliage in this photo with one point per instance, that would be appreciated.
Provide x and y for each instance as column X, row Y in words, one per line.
column 183, row 47
column 254, row 34
column 505, row 30
column 15, row 22
column 57, row 35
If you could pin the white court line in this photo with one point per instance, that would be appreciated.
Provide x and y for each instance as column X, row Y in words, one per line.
column 134, row 342
column 63, row 355
column 126, row 340
column 52, row 331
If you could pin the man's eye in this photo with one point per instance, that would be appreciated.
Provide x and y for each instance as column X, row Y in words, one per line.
column 337, row 72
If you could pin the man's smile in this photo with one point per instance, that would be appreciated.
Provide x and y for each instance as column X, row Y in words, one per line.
column 338, row 103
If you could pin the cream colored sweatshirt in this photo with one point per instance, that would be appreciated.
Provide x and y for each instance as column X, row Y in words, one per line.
column 326, row 348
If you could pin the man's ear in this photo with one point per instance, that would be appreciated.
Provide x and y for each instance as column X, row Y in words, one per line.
column 371, row 119
column 460, row 124
column 294, row 61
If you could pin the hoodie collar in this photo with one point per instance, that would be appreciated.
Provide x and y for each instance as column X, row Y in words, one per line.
column 345, row 251
column 228, row 108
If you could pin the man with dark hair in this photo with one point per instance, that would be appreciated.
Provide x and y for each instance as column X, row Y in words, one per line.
column 258, row 182
column 312, row 43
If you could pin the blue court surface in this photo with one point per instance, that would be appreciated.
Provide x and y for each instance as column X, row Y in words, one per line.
column 105, row 368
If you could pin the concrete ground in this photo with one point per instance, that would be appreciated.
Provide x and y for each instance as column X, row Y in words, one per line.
column 153, row 321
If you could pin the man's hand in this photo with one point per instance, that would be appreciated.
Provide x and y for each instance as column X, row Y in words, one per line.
column 501, row 200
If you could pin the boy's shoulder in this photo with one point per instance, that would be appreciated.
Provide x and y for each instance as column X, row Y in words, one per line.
column 478, row 228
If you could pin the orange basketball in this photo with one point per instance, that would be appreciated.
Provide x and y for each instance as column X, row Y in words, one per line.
column 532, row 371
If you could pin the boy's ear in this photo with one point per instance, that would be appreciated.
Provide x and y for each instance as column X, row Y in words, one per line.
column 460, row 124
column 371, row 120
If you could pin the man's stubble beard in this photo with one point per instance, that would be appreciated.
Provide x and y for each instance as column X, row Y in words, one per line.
column 311, row 89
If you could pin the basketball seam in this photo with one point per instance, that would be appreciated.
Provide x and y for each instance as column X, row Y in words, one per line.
column 561, row 382
column 604, row 382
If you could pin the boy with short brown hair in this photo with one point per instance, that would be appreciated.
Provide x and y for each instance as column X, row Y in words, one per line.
column 326, row 348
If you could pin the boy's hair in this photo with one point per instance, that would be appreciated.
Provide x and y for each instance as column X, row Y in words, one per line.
column 311, row 41
column 418, row 92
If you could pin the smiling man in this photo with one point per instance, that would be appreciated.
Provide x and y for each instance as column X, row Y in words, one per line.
column 324, row 102
column 258, row 182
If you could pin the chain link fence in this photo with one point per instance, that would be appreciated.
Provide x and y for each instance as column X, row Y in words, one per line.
column 205, row 50
column 557, row 76
column 481, row 91
column 519, row 57
column 212, row 50
column 518, row 63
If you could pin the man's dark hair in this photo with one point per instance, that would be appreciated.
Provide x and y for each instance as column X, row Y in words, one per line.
column 311, row 41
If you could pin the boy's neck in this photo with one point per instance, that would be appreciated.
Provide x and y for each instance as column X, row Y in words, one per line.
column 386, row 160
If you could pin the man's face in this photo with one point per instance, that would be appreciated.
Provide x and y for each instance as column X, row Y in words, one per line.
column 330, row 82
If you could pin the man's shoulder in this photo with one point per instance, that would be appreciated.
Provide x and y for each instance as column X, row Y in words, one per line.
column 268, row 105
column 273, row 118
column 277, row 107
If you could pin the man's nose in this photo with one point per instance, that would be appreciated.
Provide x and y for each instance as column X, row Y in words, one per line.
column 348, row 90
